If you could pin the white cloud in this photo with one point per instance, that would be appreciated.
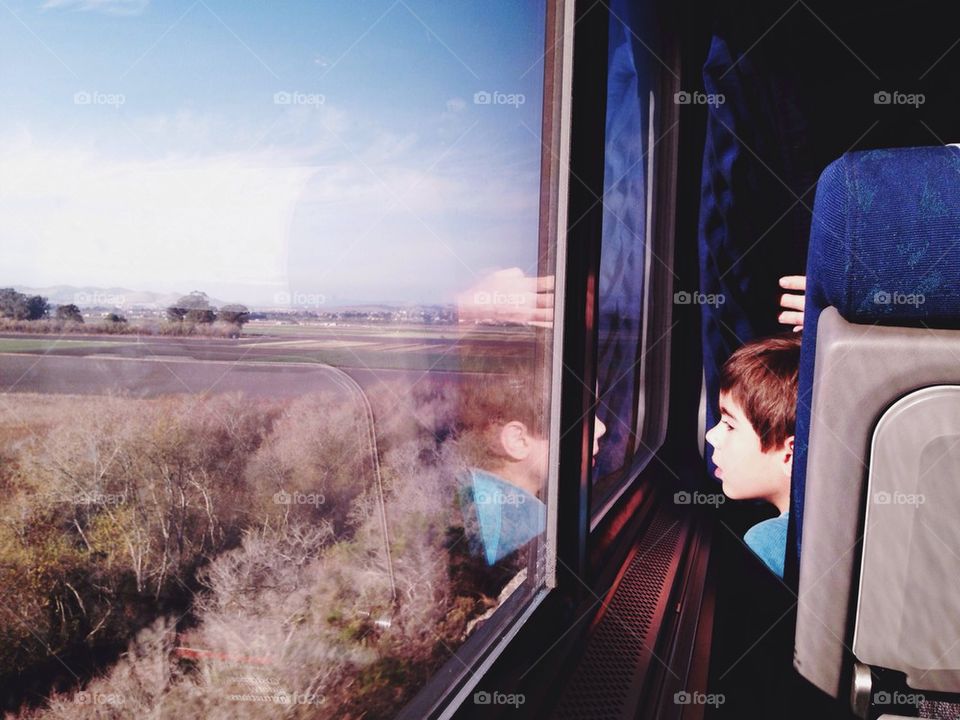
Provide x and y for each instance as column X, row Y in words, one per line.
column 78, row 218
column 295, row 133
column 108, row 7
column 381, row 221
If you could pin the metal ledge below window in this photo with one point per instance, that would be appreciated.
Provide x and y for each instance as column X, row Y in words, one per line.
column 614, row 673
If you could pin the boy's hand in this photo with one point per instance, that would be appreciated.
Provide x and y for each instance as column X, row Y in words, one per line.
column 509, row 296
column 793, row 304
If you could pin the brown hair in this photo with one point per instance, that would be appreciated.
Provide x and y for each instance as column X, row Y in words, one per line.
column 487, row 402
column 762, row 378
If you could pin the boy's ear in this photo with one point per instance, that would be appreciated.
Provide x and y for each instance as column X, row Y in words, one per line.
column 514, row 440
column 788, row 456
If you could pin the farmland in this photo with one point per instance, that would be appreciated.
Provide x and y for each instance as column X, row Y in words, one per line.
column 153, row 365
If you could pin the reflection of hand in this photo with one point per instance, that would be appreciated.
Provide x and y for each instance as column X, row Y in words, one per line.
column 793, row 304
column 509, row 296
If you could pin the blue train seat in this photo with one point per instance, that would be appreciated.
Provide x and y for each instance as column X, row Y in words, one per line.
column 874, row 542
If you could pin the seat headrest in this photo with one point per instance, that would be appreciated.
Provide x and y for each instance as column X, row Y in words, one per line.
column 885, row 236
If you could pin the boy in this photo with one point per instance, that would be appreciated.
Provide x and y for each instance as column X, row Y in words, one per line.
column 503, row 440
column 753, row 442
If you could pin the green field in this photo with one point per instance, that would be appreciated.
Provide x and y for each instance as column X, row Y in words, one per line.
column 44, row 344
column 386, row 332
column 439, row 332
column 386, row 348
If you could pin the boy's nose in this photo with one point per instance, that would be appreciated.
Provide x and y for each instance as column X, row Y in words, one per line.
column 711, row 435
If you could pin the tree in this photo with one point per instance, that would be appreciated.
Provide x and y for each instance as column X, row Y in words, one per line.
column 194, row 308
column 201, row 316
column 114, row 318
column 235, row 314
column 37, row 307
column 18, row 306
column 69, row 313
column 10, row 302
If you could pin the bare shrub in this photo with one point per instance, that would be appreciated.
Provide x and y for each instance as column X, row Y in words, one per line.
column 317, row 460
column 115, row 506
column 297, row 610
column 107, row 326
column 134, row 688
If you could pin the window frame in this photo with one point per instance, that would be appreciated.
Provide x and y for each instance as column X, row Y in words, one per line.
column 549, row 644
column 571, row 172
column 653, row 372
column 449, row 688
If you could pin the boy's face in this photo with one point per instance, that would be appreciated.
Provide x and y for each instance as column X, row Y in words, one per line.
column 746, row 471
column 530, row 453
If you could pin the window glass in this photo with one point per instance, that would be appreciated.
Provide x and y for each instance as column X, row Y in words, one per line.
column 274, row 375
column 623, row 253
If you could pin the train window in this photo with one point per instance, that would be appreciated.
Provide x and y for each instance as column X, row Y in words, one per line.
column 253, row 463
column 632, row 345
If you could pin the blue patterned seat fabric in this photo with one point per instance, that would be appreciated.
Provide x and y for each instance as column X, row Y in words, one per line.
column 884, row 249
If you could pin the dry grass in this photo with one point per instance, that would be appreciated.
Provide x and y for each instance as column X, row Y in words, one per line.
column 117, row 509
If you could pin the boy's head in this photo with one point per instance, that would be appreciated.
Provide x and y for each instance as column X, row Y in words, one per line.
column 503, row 427
column 753, row 442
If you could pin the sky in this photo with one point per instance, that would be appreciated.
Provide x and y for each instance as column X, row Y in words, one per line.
column 263, row 150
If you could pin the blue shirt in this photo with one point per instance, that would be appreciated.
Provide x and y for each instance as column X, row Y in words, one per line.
column 507, row 516
column 768, row 540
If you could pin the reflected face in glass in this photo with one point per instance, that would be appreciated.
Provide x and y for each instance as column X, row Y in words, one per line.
column 527, row 455
column 599, row 430
column 531, row 454
column 744, row 468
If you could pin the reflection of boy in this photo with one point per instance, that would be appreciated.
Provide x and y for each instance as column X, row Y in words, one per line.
column 502, row 437
column 503, row 440
column 753, row 442
column 507, row 517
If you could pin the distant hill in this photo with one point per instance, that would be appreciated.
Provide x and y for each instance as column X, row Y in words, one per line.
column 107, row 297
column 127, row 299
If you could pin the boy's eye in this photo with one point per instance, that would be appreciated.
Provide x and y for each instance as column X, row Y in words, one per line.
column 727, row 425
